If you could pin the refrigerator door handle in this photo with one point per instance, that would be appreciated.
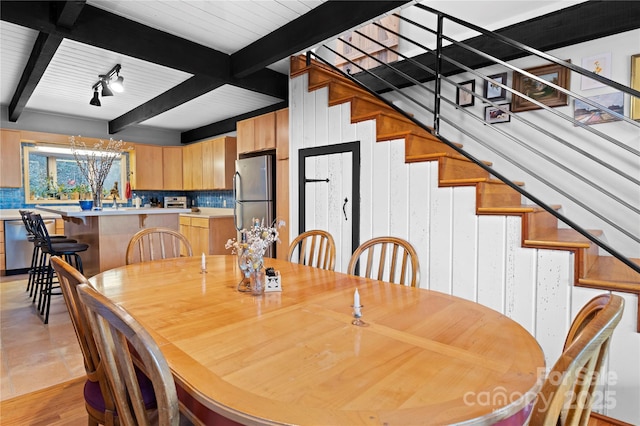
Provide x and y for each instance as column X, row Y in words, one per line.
column 236, row 175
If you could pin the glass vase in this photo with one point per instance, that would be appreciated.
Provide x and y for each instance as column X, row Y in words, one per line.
column 244, row 285
column 97, row 199
column 258, row 281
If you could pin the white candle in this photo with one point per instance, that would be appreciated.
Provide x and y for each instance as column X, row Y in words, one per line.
column 356, row 299
column 204, row 262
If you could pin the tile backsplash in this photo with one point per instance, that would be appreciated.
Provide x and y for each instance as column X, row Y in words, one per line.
column 13, row 198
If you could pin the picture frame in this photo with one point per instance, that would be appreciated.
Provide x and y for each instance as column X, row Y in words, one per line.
column 634, row 112
column 493, row 92
column 589, row 114
column 598, row 64
column 542, row 93
column 494, row 115
column 463, row 98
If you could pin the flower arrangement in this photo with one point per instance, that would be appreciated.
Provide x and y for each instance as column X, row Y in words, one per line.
column 254, row 244
column 95, row 162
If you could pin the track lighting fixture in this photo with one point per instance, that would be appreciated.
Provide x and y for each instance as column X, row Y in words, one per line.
column 95, row 101
column 107, row 85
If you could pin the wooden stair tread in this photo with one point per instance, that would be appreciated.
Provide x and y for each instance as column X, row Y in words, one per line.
column 511, row 210
column 610, row 272
column 472, row 181
column 562, row 239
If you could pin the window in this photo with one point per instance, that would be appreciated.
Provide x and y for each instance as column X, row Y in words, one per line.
column 52, row 176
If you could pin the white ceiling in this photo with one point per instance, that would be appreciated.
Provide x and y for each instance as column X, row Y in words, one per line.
column 224, row 25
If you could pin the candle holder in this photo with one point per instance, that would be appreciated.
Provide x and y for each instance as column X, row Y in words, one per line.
column 203, row 270
column 357, row 316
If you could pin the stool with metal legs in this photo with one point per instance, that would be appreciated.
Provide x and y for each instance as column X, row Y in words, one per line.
column 69, row 251
column 35, row 255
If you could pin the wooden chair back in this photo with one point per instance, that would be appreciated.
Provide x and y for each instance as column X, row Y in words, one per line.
column 388, row 259
column 314, row 248
column 117, row 335
column 156, row 243
column 69, row 278
column 566, row 395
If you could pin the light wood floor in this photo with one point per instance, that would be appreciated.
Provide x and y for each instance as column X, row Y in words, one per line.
column 34, row 356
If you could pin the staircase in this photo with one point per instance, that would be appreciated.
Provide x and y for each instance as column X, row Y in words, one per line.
column 493, row 197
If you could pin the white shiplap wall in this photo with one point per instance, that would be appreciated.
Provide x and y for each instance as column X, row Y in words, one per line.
column 479, row 258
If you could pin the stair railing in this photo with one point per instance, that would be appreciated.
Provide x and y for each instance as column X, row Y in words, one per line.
column 386, row 81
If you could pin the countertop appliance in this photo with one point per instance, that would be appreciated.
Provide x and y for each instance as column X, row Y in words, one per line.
column 18, row 250
column 253, row 187
column 175, row 202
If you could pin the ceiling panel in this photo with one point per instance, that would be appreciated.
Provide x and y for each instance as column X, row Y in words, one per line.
column 74, row 70
column 15, row 44
column 220, row 104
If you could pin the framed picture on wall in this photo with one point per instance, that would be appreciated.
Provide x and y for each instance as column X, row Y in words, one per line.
column 492, row 91
column 597, row 64
column 493, row 115
column 537, row 90
column 635, row 84
column 463, row 98
column 590, row 114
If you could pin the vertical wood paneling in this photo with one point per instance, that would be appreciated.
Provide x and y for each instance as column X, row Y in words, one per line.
column 365, row 134
column 491, row 250
column 344, row 242
column 520, row 277
column 398, row 191
column 441, row 236
column 380, row 182
column 419, row 216
column 463, row 264
column 553, row 307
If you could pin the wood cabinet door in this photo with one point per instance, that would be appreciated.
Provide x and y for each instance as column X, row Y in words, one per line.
column 245, row 135
column 172, row 167
column 224, row 162
column 10, row 164
column 265, row 131
column 192, row 167
column 148, row 172
column 208, row 164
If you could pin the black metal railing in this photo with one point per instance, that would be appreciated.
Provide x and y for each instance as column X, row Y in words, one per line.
column 425, row 90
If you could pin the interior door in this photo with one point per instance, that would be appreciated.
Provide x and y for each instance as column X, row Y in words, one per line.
column 329, row 195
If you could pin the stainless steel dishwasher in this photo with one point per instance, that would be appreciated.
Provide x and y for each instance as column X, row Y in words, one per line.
column 18, row 249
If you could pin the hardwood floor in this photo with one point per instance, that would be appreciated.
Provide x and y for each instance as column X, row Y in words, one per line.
column 33, row 355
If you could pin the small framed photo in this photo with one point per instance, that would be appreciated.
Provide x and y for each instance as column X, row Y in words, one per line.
column 589, row 114
column 635, row 84
column 539, row 91
column 597, row 64
column 463, row 98
column 493, row 115
column 492, row 91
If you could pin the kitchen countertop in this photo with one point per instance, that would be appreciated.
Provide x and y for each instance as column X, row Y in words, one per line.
column 210, row 212
column 73, row 211
column 14, row 214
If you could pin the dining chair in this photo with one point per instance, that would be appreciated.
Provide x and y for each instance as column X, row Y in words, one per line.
column 99, row 401
column 314, row 248
column 122, row 344
column 567, row 393
column 156, row 243
column 388, row 259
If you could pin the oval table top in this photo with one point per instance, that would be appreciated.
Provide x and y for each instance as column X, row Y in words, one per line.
column 294, row 357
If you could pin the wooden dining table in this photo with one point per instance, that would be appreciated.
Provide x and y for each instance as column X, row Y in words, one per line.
column 294, row 356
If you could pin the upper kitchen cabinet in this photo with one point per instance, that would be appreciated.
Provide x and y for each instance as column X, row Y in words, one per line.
column 218, row 163
column 257, row 133
column 148, row 167
column 10, row 164
column 172, row 167
column 209, row 165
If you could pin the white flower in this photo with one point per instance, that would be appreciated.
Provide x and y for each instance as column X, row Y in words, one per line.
column 253, row 247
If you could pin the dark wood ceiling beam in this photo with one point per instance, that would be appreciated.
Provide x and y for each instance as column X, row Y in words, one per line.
column 320, row 23
column 226, row 126
column 184, row 92
column 43, row 50
column 67, row 12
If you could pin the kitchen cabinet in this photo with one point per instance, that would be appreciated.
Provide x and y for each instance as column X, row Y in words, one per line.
column 172, row 167
column 207, row 234
column 10, row 164
column 148, row 170
column 210, row 164
column 282, row 176
column 257, row 133
column 3, row 262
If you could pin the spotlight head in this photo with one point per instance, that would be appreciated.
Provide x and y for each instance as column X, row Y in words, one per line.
column 95, row 101
column 106, row 91
column 118, row 85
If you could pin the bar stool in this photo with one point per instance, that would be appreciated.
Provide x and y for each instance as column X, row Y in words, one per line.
column 44, row 283
column 35, row 255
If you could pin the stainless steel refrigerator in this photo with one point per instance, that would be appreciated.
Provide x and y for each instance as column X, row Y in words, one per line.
column 253, row 186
